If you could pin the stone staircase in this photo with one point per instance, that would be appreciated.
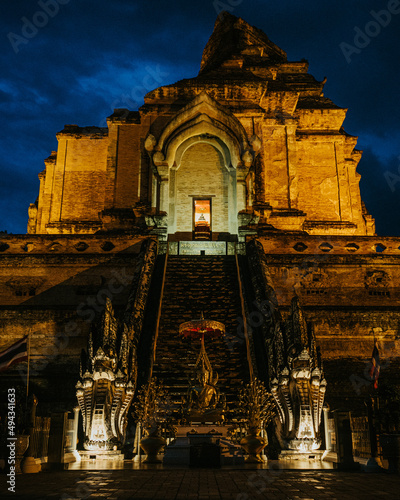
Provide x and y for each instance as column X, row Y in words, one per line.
column 194, row 284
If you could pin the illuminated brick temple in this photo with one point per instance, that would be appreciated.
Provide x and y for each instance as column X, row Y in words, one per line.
column 233, row 194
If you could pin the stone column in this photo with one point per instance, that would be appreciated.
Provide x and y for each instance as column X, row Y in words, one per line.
column 111, row 168
column 241, row 194
column 373, row 463
column 42, row 180
column 32, row 218
column 291, row 163
column 251, row 189
column 45, row 197
column 75, row 434
column 164, row 194
column 344, row 441
column 154, row 184
column 233, row 202
column 326, row 432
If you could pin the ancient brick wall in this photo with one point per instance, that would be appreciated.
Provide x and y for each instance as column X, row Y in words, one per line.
column 349, row 289
column 52, row 287
column 74, row 184
column 128, row 166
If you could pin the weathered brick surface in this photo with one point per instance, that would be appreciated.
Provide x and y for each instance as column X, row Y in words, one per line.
column 351, row 293
column 196, row 284
column 83, row 195
column 128, row 167
column 69, row 288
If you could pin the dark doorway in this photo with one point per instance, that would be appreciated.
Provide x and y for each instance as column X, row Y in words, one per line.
column 205, row 454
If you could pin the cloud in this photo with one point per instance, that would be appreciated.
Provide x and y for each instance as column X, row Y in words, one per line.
column 380, row 188
column 93, row 56
column 16, row 192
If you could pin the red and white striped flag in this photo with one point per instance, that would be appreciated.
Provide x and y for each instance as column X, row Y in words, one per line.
column 16, row 353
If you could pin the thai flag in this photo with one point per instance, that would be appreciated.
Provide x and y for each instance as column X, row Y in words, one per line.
column 375, row 367
column 16, row 353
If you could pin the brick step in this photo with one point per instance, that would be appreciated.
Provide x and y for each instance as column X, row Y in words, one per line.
column 194, row 284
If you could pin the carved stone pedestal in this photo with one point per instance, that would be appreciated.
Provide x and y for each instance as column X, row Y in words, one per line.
column 315, row 455
column 102, row 455
column 195, row 442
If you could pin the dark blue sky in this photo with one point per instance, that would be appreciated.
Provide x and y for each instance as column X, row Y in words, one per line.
column 92, row 56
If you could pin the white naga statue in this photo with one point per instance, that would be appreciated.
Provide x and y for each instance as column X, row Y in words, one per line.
column 105, row 390
column 298, row 385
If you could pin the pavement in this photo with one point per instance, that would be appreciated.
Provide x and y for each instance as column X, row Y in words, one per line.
column 236, row 483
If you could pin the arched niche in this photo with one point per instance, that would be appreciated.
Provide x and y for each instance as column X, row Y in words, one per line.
column 203, row 123
column 216, row 142
column 202, row 170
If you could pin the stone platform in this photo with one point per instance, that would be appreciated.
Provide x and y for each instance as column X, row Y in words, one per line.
column 198, row 444
column 101, row 455
column 301, row 455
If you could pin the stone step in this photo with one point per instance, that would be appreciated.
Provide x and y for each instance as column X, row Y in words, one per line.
column 194, row 284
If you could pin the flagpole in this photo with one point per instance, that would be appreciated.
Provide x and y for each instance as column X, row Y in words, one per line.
column 373, row 463
column 27, row 373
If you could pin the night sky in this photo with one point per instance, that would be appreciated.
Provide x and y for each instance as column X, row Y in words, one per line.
column 93, row 56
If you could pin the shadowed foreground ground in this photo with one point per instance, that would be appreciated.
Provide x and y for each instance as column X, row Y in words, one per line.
column 205, row 484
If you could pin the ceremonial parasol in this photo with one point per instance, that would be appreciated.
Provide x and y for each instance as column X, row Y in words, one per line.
column 198, row 328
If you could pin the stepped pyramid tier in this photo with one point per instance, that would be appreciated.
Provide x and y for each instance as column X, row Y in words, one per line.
column 252, row 133
column 234, row 39
column 235, row 193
